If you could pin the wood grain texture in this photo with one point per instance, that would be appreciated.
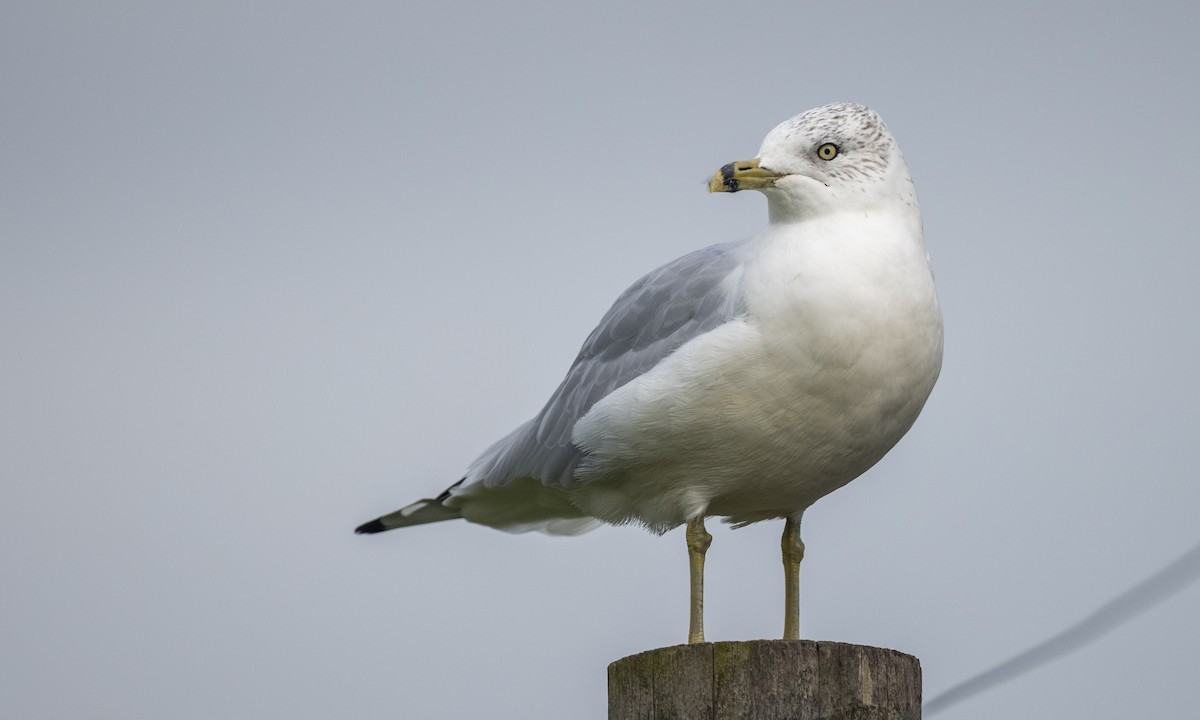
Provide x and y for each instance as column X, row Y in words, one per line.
column 766, row 680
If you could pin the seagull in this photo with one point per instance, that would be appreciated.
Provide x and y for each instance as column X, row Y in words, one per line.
column 745, row 380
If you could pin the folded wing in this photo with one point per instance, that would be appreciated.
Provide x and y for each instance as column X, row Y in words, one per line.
column 660, row 312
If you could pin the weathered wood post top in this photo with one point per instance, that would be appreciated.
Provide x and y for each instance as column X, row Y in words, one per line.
column 766, row 680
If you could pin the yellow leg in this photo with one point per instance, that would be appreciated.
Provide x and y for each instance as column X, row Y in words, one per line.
column 698, row 541
column 793, row 553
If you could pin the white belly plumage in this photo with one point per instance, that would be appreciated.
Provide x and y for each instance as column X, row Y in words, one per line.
column 753, row 421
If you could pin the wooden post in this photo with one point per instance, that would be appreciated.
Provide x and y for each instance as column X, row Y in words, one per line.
column 765, row 680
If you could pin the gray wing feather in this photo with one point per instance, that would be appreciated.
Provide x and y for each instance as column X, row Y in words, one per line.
column 663, row 310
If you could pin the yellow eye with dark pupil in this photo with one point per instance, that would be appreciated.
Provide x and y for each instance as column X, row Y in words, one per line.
column 828, row 151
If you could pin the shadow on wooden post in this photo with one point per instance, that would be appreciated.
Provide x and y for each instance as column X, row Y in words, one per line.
column 766, row 680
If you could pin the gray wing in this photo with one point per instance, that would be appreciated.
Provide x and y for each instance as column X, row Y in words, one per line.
column 673, row 304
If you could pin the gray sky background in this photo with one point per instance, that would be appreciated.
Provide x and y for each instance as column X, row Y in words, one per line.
column 268, row 270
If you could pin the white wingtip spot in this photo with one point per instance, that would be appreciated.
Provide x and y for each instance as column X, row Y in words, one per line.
column 410, row 509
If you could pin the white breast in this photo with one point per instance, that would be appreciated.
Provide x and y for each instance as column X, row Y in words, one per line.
column 831, row 365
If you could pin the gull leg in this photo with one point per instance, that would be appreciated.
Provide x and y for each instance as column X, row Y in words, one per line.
column 698, row 541
column 793, row 553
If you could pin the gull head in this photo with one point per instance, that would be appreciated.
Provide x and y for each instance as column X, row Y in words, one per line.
column 834, row 158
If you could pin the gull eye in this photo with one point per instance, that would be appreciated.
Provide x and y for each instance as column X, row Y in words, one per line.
column 828, row 151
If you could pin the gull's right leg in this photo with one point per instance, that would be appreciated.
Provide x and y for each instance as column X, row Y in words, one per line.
column 793, row 553
column 698, row 541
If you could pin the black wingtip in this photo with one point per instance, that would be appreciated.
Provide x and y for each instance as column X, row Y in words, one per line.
column 370, row 528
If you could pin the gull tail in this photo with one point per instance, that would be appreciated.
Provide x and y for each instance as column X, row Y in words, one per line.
column 429, row 510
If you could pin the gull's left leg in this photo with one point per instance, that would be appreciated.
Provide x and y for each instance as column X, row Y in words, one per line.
column 698, row 541
column 793, row 553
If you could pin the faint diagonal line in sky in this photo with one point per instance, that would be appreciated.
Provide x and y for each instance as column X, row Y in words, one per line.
column 1118, row 611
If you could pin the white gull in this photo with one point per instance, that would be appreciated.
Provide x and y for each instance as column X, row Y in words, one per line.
column 745, row 380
